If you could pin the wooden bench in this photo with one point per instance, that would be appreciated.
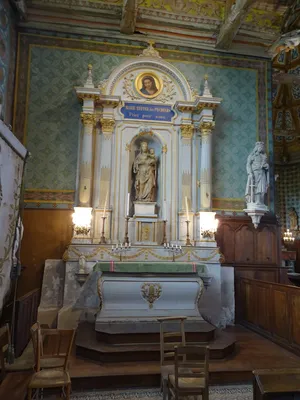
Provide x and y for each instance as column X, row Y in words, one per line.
column 276, row 384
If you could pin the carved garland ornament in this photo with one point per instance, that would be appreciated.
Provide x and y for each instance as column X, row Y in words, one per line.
column 107, row 125
column 187, row 131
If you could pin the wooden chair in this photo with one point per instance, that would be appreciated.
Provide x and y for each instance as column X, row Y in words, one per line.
column 167, row 345
column 191, row 372
column 45, row 362
column 59, row 339
column 4, row 344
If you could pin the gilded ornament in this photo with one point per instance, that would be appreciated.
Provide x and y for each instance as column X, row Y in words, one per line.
column 88, row 96
column 164, row 149
column 128, row 147
column 150, row 51
column 146, row 132
column 151, row 292
column 88, row 119
column 187, row 131
column 210, row 106
column 207, row 127
column 145, row 233
column 107, row 125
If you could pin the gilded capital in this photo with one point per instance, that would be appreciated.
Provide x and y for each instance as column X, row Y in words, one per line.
column 164, row 149
column 187, row 131
column 107, row 124
column 207, row 127
column 88, row 119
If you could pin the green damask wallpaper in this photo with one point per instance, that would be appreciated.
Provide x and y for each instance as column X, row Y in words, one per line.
column 52, row 124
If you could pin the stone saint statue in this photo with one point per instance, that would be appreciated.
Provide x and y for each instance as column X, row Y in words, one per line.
column 145, row 170
column 258, row 175
column 293, row 217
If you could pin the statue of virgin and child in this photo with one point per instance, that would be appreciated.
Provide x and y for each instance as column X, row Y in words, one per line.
column 145, row 171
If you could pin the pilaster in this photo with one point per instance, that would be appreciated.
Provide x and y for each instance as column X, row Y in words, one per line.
column 206, row 128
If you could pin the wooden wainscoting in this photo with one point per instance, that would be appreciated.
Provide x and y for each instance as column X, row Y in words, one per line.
column 25, row 317
column 242, row 244
column 46, row 236
column 271, row 309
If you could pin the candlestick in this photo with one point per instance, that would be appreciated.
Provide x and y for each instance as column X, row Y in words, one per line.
column 104, row 213
column 102, row 239
column 126, row 238
column 165, row 211
column 164, row 241
column 128, row 201
column 188, row 242
column 187, row 209
column 173, row 250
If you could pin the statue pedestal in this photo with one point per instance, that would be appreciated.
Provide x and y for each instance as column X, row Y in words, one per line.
column 256, row 211
column 144, row 209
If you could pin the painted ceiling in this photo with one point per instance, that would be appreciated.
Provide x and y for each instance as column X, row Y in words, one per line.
column 222, row 24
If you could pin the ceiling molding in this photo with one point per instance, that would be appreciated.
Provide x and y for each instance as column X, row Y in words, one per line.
column 129, row 14
column 233, row 22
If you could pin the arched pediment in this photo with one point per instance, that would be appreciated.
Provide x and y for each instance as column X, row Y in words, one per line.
column 126, row 80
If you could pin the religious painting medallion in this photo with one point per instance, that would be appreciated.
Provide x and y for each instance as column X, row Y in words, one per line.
column 151, row 292
column 148, row 85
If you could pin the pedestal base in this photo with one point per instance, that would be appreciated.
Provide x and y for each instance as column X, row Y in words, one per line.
column 144, row 209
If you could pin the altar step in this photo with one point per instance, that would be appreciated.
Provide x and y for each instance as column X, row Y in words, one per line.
column 87, row 346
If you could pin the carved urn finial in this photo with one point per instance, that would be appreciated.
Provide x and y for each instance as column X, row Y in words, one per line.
column 89, row 82
column 206, row 91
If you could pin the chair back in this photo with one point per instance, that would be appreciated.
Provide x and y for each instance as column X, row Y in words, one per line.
column 191, row 362
column 36, row 339
column 169, row 339
column 56, row 343
column 4, row 344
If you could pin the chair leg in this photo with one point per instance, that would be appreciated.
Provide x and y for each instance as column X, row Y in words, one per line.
column 165, row 389
column 205, row 394
column 29, row 394
column 68, row 391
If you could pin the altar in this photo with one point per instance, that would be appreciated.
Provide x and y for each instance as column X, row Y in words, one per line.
column 144, row 231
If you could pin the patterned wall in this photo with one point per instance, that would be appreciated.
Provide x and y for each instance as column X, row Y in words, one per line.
column 287, row 191
column 52, row 124
column 7, row 58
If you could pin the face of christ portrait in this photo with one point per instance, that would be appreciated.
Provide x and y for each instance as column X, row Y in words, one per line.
column 149, row 86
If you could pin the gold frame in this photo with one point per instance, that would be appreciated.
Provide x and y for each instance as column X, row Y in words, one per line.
column 158, row 82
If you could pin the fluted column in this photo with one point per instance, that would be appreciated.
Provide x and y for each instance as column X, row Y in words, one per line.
column 206, row 128
column 86, row 159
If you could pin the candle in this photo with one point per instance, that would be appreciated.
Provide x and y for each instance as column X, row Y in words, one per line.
column 187, row 209
column 165, row 211
column 128, row 201
column 104, row 213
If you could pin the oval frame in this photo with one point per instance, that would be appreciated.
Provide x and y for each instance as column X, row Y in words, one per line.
column 138, row 84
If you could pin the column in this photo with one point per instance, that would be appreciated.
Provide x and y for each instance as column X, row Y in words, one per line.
column 86, row 158
column 206, row 128
column 187, row 133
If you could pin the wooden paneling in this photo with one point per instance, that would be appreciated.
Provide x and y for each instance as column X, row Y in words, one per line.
column 46, row 235
column 266, row 245
column 295, row 317
column 280, row 311
column 242, row 244
column 271, row 309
